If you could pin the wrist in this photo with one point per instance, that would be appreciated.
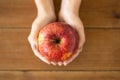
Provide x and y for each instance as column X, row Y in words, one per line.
column 70, row 6
column 45, row 8
column 68, row 12
column 43, row 19
column 46, row 14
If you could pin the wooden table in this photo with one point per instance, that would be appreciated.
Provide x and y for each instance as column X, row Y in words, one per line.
column 100, row 59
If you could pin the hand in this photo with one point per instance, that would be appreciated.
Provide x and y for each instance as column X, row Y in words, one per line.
column 44, row 7
column 69, row 13
column 76, row 23
column 37, row 25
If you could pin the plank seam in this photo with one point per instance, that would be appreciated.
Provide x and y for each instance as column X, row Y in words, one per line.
column 66, row 70
column 85, row 28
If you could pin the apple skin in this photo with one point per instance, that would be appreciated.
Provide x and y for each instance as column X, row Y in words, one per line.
column 57, row 41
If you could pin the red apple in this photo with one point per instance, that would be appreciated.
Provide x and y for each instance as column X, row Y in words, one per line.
column 57, row 41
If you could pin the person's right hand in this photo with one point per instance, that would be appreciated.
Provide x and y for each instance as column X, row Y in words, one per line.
column 45, row 16
column 37, row 25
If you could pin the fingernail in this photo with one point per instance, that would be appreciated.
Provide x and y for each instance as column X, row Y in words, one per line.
column 53, row 63
column 48, row 63
column 60, row 63
column 65, row 64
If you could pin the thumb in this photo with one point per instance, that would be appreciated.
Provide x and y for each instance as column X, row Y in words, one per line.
column 34, row 46
column 73, row 57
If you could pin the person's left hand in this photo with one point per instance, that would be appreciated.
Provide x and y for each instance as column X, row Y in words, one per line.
column 76, row 23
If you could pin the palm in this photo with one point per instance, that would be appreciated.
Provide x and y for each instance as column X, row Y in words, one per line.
column 38, row 24
column 76, row 23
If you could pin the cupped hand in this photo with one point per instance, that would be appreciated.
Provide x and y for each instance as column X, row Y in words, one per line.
column 45, row 10
column 37, row 25
column 75, row 22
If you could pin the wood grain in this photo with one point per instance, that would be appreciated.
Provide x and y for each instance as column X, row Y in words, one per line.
column 17, row 13
column 39, row 75
column 100, row 59
column 100, row 13
column 94, row 13
column 101, row 51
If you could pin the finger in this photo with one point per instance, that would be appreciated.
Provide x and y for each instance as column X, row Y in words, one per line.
column 60, row 63
column 36, row 52
column 72, row 58
column 32, row 42
column 81, row 34
column 53, row 63
column 61, row 19
column 34, row 47
column 80, row 50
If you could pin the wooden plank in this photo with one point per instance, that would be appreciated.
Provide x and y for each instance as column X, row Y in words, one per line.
column 100, row 13
column 17, row 13
column 36, row 75
column 101, row 51
column 94, row 13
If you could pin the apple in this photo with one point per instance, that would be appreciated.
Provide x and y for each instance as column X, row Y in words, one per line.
column 57, row 41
